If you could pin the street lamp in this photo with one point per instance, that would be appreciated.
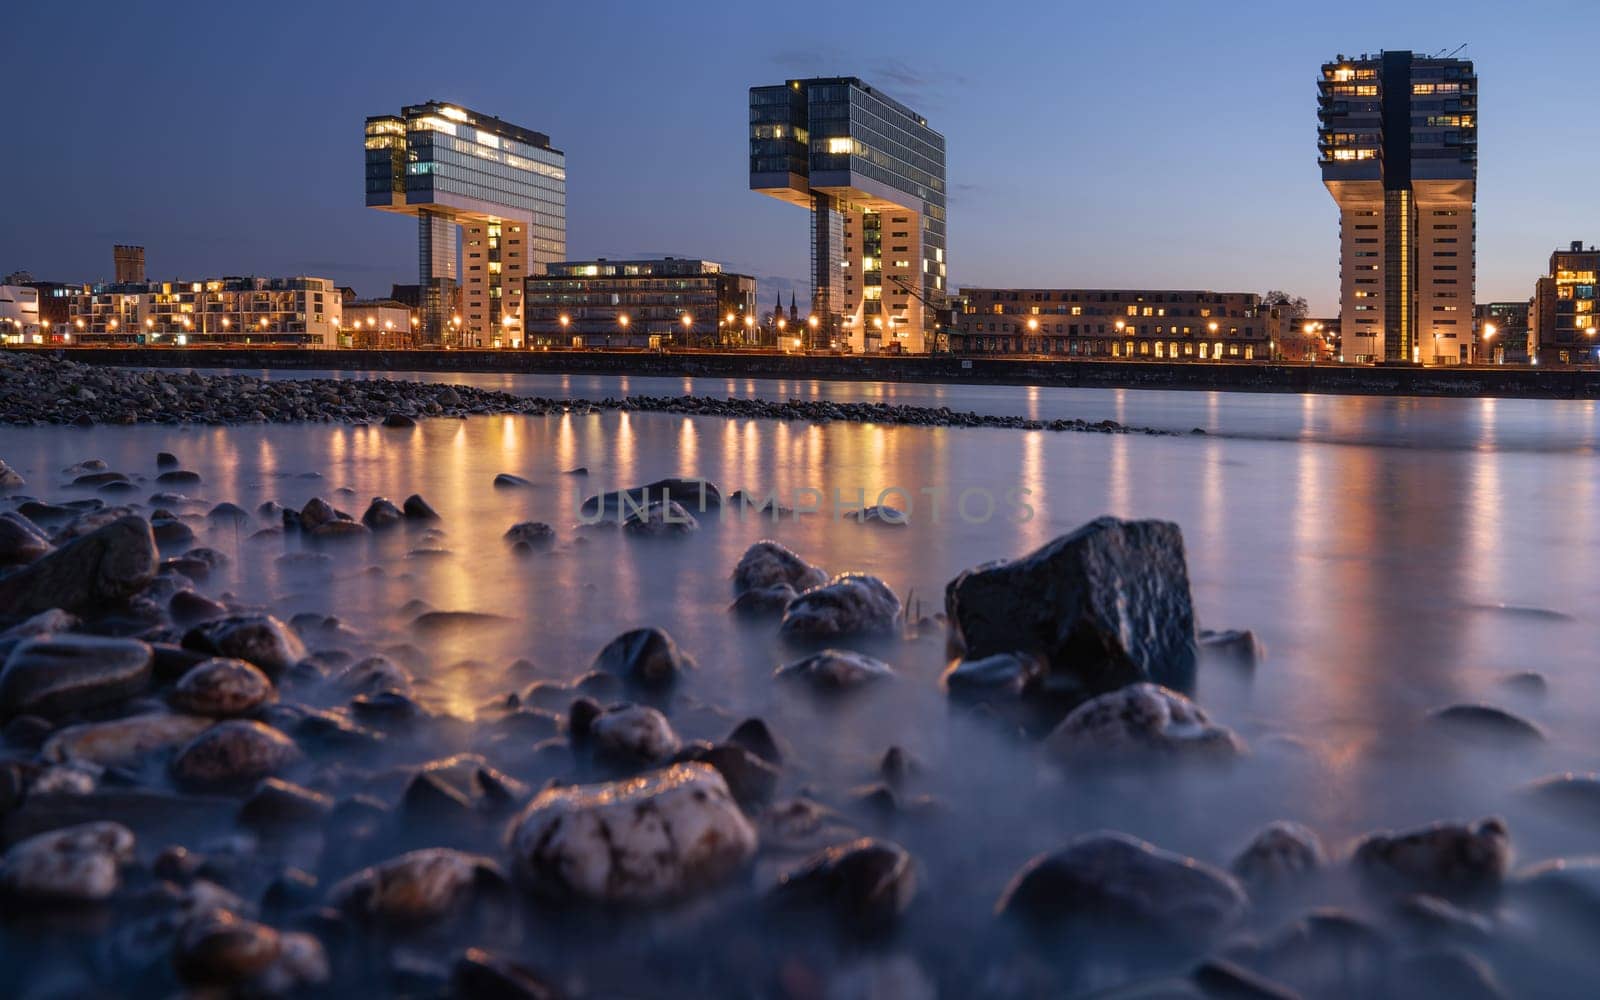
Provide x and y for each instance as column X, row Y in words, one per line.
column 564, row 319
column 688, row 323
column 813, row 322
column 622, row 321
column 749, row 329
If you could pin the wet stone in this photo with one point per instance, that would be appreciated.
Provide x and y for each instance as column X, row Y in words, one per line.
column 507, row 481
column 1237, row 647
column 1485, row 724
column 1572, row 794
column 233, row 754
column 1280, row 853
column 1115, row 878
column 122, row 742
column 222, row 687
column 665, row 835
column 478, row 973
column 756, row 736
column 632, row 736
column 768, row 564
column 1450, row 859
column 644, row 656
column 220, row 949
column 661, row 519
column 277, row 804
column 836, row 670
column 382, row 513
column 97, row 570
column 1002, row 677
column 62, row 674
column 751, row 779
column 420, row 887
column 853, row 604
column 189, row 608
column 763, row 602
column 76, row 864
column 866, row 884
column 21, row 541
column 1122, row 585
column 1138, row 723
column 230, row 513
column 178, row 476
column 398, row 420
column 536, row 534
column 374, row 675
column 418, row 509
column 256, row 638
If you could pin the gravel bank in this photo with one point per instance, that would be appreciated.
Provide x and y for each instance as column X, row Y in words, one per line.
column 37, row 389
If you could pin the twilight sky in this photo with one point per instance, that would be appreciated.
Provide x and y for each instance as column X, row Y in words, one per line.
column 1150, row 144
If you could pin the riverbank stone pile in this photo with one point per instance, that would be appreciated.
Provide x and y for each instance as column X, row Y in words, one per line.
column 40, row 389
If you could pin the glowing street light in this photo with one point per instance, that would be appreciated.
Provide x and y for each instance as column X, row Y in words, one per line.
column 1212, row 326
column 226, row 322
column 688, row 323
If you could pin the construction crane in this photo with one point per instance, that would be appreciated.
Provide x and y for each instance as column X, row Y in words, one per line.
column 939, row 334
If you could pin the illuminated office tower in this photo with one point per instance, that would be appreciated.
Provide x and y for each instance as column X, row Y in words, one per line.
column 1399, row 153
column 872, row 174
column 503, row 187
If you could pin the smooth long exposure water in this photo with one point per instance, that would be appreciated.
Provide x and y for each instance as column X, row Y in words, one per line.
column 1394, row 555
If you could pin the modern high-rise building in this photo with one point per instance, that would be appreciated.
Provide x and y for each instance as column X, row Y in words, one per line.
column 872, row 173
column 1564, row 323
column 1399, row 153
column 129, row 263
column 500, row 187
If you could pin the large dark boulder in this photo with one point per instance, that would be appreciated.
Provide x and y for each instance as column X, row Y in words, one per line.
column 696, row 495
column 1105, row 606
column 104, row 567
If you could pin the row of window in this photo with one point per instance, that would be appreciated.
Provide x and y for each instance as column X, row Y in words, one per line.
column 1201, row 350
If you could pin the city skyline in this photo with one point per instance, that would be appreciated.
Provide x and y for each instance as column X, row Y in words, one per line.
column 1183, row 158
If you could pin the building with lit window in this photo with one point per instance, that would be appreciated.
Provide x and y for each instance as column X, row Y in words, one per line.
column 1502, row 332
column 287, row 312
column 500, row 188
column 378, row 324
column 640, row 303
column 872, row 174
column 1564, row 325
column 1398, row 148
column 1113, row 324
column 19, row 314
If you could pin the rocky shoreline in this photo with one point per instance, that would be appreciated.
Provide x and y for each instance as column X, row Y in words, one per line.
column 37, row 389
column 196, row 794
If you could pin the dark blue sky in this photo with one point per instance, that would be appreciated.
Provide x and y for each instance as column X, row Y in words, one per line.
column 1115, row 144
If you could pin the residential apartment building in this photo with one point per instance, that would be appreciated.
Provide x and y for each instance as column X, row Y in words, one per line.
column 499, row 187
column 640, row 303
column 1397, row 139
column 19, row 315
column 1114, row 324
column 1565, row 327
column 289, row 312
column 872, row 174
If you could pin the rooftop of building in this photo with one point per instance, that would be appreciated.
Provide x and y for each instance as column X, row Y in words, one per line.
column 476, row 119
column 635, row 268
column 859, row 84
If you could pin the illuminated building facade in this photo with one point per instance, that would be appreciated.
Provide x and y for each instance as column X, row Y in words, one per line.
column 1114, row 324
column 640, row 303
column 1565, row 327
column 19, row 314
column 1398, row 149
column 872, row 174
column 501, row 188
column 378, row 324
column 290, row 312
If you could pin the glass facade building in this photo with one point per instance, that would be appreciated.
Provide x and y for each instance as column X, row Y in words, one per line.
column 1398, row 148
column 503, row 185
column 1565, row 319
column 872, row 173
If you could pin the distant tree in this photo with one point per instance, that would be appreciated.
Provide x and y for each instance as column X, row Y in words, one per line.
column 1293, row 342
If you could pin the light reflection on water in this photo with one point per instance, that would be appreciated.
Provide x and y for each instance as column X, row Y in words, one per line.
column 1371, row 574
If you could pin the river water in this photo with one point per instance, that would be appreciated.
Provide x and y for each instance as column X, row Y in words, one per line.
column 1394, row 555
